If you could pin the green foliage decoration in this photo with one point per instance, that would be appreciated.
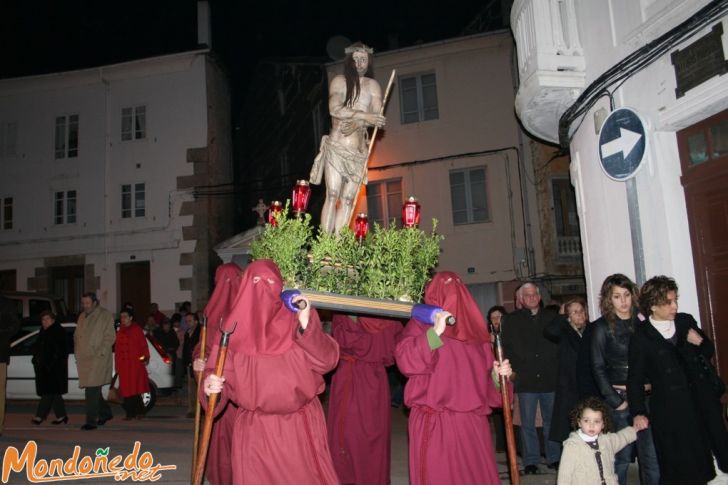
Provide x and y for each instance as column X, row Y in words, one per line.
column 390, row 263
column 285, row 243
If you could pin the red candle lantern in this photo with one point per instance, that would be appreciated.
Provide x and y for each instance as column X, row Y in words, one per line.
column 411, row 213
column 361, row 226
column 275, row 208
column 301, row 194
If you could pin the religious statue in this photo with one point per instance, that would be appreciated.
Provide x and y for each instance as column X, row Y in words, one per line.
column 355, row 102
column 260, row 209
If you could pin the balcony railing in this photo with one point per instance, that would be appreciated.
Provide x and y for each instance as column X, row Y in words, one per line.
column 568, row 246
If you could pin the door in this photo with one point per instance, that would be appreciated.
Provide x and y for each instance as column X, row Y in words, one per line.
column 134, row 287
column 67, row 284
column 8, row 277
column 704, row 158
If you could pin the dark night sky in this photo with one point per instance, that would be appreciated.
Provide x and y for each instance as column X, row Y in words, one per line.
column 53, row 35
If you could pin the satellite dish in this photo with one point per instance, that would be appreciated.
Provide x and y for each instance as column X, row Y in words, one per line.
column 335, row 47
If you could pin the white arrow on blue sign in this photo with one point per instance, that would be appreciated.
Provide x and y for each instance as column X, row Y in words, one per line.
column 622, row 144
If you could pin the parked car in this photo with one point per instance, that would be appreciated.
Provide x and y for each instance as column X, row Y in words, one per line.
column 21, row 376
column 30, row 305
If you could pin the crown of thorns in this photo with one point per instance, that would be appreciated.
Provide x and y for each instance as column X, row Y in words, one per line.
column 359, row 48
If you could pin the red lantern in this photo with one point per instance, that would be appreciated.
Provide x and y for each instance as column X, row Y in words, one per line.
column 361, row 226
column 275, row 208
column 301, row 194
column 411, row 213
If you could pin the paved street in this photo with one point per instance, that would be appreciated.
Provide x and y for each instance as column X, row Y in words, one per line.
column 167, row 434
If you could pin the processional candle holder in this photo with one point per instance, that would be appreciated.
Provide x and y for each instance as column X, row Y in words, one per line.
column 411, row 213
column 301, row 195
column 361, row 226
column 275, row 208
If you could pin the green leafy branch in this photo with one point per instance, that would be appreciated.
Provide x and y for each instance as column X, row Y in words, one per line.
column 390, row 263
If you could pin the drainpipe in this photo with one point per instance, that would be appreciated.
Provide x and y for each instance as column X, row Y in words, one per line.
column 107, row 168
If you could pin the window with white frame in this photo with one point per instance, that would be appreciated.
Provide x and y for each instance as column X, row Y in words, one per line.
column 65, row 207
column 133, row 200
column 384, row 202
column 66, row 136
column 6, row 214
column 8, row 139
column 469, row 197
column 133, row 123
column 418, row 98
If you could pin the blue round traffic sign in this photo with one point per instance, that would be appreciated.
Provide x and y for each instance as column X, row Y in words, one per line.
column 622, row 144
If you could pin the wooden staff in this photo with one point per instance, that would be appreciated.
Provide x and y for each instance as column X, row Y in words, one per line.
column 507, row 417
column 198, row 376
column 374, row 134
column 211, row 403
column 381, row 112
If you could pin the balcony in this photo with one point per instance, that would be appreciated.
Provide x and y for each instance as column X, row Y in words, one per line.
column 550, row 63
column 568, row 247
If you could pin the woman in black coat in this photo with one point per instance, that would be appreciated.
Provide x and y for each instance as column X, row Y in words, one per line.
column 567, row 331
column 50, row 362
column 672, row 353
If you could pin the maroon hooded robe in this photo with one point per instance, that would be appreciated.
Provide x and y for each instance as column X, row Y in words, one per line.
column 219, row 468
column 274, row 373
column 359, row 417
column 450, row 392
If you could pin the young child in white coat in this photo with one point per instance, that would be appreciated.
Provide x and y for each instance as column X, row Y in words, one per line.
column 588, row 456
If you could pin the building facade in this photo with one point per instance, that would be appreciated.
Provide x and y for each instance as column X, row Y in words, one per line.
column 102, row 177
column 578, row 62
column 452, row 140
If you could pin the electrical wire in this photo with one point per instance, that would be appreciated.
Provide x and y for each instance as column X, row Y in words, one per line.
column 632, row 64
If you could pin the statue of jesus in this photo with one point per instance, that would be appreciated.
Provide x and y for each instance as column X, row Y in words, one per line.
column 355, row 100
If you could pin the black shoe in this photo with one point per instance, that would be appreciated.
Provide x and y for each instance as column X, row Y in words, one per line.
column 88, row 427
column 63, row 420
column 36, row 420
column 530, row 470
column 554, row 466
column 102, row 421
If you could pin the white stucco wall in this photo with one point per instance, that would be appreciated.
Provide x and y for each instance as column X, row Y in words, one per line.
column 173, row 89
column 603, row 203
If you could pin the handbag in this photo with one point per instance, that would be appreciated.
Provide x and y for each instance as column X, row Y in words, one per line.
column 710, row 374
column 114, row 396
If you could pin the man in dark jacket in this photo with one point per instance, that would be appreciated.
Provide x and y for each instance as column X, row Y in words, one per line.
column 536, row 359
column 9, row 326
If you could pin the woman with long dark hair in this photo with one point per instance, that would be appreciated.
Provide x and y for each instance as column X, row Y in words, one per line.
column 50, row 362
column 609, row 352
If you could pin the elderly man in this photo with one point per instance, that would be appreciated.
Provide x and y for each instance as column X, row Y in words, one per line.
column 536, row 359
column 93, row 341
column 355, row 100
column 9, row 326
